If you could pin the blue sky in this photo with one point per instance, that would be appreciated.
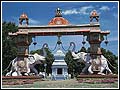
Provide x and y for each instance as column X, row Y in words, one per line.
column 40, row 13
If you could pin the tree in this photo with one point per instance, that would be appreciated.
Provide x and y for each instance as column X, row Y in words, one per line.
column 9, row 48
column 49, row 61
column 83, row 49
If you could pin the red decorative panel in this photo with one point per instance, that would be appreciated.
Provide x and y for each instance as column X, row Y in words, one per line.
column 58, row 21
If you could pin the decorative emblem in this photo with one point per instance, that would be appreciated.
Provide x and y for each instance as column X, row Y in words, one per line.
column 23, row 17
column 58, row 22
column 21, row 64
column 58, row 12
column 93, row 15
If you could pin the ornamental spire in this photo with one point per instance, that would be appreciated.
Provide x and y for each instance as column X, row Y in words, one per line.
column 58, row 12
column 95, row 15
column 23, row 17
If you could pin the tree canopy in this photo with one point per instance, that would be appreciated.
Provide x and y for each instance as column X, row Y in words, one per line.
column 9, row 49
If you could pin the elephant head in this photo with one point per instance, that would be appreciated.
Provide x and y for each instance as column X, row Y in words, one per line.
column 81, row 56
column 34, row 60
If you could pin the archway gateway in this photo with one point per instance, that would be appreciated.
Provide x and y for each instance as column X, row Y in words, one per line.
column 58, row 26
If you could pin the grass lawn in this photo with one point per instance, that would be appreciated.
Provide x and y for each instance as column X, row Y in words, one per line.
column 72, row 83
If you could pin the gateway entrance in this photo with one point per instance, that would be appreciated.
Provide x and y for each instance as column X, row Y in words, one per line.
column 57, row 26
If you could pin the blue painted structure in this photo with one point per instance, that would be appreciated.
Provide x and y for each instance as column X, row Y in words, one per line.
column 59, row 66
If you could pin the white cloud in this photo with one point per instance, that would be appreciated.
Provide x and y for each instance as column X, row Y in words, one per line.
column 113, row 7
column 105, row 8
column 82, row 10
column 115, row 15
column 73, row 11
column 113, row 39
column 33, row 21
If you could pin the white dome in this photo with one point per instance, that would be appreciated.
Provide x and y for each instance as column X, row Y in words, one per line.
column 59, row 53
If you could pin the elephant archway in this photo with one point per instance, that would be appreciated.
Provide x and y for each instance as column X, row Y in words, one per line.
column 58, row 26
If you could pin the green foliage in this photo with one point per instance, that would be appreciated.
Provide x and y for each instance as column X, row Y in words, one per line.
column 88, row 50
column 70, row 62
column 39, row 51
column 49, row 61
column 9, row 50
column 64, row 84
column 83, row 49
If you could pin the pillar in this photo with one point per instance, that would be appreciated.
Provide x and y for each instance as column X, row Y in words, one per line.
column 23, row 41
column 95, row 39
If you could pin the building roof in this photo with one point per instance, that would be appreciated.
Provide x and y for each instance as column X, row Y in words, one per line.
column 59, row 53
column 59, row 63
column 23, row 16
column 58, row 19
column 59, row 58
column 94, row 13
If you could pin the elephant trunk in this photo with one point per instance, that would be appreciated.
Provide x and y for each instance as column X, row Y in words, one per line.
column 45, row 46
column 72, row 44
column 44, row 52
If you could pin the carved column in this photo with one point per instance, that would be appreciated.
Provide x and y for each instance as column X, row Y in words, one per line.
column 23, row 41
column 95, row 38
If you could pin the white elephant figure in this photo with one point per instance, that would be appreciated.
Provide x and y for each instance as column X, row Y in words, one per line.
column 100, row 61
column 32, row 60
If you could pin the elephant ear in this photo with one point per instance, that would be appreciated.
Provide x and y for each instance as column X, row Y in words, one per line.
column 38, row 57
column 31, row 60
column 103, row 58
column 75, row 56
